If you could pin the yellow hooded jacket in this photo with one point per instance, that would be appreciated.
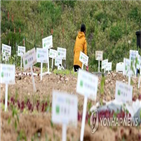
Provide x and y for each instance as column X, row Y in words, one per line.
column 80, row 45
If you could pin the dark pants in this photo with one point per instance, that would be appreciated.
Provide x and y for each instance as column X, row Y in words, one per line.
column 76, row 67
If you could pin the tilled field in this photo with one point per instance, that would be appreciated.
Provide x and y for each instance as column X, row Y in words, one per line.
column 34, row 109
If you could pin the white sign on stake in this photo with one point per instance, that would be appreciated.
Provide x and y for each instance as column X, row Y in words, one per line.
column 133, row 54
column 87, row 84
column 127, row 69
column 123, row 92
column 127, row 66
column 7, row 76
column 58, row 61
column 52, row 54
column 21, row 52
column 83, row 58
column 29, row 59
column 138, row 61
column 41, row 55
column 61, row 53
column 104, row 63
column 64, row 110
column 109, row 66
column 133, row 57
column 99, row 55
column 47, row 43
column 6, row 52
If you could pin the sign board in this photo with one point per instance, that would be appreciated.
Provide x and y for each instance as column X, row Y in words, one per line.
column 133, row 54
column 104, row 63
column 47, row 42
column 7, row 74
column 83, row 58
column 64, row 108
column 99, row 55
column 21, row 50
column 29, row 58
column 6, row 51
column 61, row 53
column 52, row 53
column 87, row 84
column 41, row 55
column 123, row 92
column 119, row 67
column 139, row 62
column 58, row 61
column 127, row 68
column 109, row 66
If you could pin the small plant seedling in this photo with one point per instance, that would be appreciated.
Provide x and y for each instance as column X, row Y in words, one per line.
column 102, row 84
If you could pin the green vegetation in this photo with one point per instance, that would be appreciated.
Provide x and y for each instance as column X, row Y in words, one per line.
column 110, row 25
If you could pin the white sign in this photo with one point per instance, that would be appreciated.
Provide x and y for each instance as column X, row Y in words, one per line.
column 52, row 53
column 127, row 68
column 21, row 50
column 29, row 58
column 7, row 74
column 64, row 108
column 99, row 55
column 41, row 55
column 87, row 84
column 109, row 66
column 47, row 42
column 123, row 92
column 58, row 61
column 119, row 67
column 61, row 53
column 139, row 62
column 6, row 51
column 83, row 58
column 104, row 63
column 133, row 54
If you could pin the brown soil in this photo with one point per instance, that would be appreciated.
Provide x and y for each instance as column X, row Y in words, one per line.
column 40, row 123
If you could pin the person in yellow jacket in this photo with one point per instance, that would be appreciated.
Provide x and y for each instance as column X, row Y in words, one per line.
column 80, row 45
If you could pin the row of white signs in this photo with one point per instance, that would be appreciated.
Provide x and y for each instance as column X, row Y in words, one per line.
column 46, row 43
column 86, row 84
column 42, row 54
column 130, row 65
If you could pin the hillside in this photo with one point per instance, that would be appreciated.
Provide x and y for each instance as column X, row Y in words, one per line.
column 110, row 25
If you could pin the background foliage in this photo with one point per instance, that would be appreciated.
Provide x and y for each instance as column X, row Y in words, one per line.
column 110, row 25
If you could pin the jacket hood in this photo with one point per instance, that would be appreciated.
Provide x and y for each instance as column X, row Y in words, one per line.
column 81, row 34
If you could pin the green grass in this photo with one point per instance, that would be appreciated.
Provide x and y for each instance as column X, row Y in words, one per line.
column 105, row 29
